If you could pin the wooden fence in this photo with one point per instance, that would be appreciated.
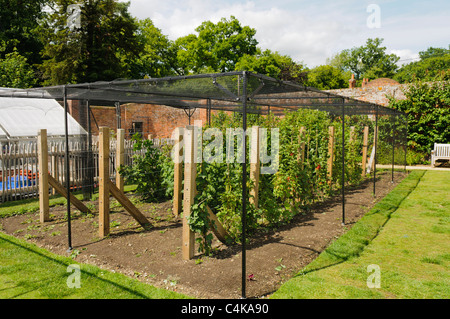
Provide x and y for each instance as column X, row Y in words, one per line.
column 19, row 172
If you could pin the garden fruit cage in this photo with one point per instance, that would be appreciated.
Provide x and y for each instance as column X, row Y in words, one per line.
column 242, row 92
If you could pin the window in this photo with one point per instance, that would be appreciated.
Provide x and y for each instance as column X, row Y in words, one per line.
column 137, row 127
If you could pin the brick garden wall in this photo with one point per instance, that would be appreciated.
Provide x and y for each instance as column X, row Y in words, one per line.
column 161, row 120
column 376, row 91
column 158, row 120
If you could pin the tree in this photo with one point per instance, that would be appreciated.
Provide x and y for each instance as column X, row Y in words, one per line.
column 434, row 62
column 15, row 72
column 19, row 20
column 272, row 64
column 369, row 61
column 158, row 56
column 216, row 48
column 427, row 107
column 327, row 77
column 99, row 49
column 433, row 52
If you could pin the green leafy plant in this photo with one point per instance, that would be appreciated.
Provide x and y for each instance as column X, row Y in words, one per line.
column 152, row 171
column 282, row 195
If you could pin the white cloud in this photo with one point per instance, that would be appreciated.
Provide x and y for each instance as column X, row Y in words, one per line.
column 406, row 56
column 306, row 31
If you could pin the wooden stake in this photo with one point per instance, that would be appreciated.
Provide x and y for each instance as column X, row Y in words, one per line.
column 62, row 190
column 217, row 227
column 103, row 218
column 330, row 154
column 364, row 150
column 178, row 173
column 44, row 210
column 190, row 171
column 128, row 205
column 301, row 151
column 254, row 165
column 375, row 137
column 352, row 134
column 120, row 157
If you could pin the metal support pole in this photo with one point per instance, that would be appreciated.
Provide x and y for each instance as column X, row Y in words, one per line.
column 118, row 115
column 90, row 168
column 393, row 149
column 244, row 184
column 343, row 163
column 375, row 155
column 405, row 141
column 67, row 162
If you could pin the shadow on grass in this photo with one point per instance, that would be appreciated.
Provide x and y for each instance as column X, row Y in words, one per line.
column 353, row 243
column 133, row 293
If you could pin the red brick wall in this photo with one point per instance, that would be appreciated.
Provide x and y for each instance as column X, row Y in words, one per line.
column 158, row 120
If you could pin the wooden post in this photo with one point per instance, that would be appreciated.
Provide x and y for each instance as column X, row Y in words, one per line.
column 364, row 150
column 375, row 138
column 61, row 190
column 54, row 166
column 352, row 134
column 330, row 154
column 190, row 171
column 103, row 218
column 301, row 141
column 128, row 205
column 178, row 173
column 120, row 157
column 254, row 165
column 44, row 211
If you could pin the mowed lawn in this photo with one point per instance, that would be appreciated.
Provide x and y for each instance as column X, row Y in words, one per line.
column 401, row 246
column 27, row 271
column 404, row 240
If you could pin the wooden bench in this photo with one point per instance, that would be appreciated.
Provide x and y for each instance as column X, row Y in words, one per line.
column 440, row 153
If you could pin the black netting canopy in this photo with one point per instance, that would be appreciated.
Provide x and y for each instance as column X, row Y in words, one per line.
column 222, row 91
column 241, row 92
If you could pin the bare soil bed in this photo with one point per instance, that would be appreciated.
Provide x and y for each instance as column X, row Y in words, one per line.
column 154, row 255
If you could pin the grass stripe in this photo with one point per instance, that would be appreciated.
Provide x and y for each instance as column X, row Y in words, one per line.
column 405, row 234
column 27, row 271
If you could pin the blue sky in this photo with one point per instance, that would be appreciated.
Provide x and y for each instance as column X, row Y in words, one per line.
column 312, row 31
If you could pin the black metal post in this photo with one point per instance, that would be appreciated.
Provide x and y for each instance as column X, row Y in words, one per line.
column 118, row 115
column 393, row 149
column 343, row 163
column 405, row 142
column 375, row 150
column 244, row 184
column 90, row 168
column 67, row 162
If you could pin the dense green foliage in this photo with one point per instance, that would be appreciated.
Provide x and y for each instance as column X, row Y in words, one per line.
column 327, row 77
column 19, row 27
column 15, row 71
column 284, row 191
column 151, row 171
column 290, row 189
column 274, row 65
column 429, row 68
column 427, row 107
column 217, row 47
column 94, row 50
column 367, row 61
